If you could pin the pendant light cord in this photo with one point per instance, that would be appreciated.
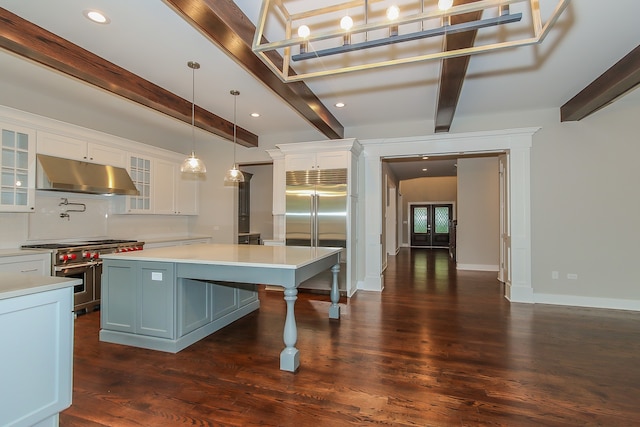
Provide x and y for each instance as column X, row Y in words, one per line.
column 193, row 108
column 235, row 94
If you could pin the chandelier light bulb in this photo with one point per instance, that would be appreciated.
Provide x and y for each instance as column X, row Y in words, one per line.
column 445, row 4
column 393, row 12
column 303, row 31
column 346, row 23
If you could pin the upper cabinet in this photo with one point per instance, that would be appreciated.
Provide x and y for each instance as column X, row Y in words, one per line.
column 17, row 158
column 139, row 168
column 317, row 160
column 164, row 190
column 174, row 192
column 77, row 149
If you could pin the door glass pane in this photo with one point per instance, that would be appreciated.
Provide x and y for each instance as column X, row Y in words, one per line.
column 441, row 215
column 420, row 220
column 23, row 141
column 8, row 138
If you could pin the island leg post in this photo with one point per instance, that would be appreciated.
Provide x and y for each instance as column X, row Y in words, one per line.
column 334, row 309
column 290, row 356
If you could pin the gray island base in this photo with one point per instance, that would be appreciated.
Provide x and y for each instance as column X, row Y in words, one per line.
column 169, row 298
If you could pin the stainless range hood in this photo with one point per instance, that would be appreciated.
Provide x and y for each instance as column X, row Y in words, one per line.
column 58, row 174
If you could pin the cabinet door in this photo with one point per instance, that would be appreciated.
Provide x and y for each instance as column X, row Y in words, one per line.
column 224, row 300
column 300, row 162
column 140, row 172
column 36, row 332
column 194, row 305
column 332, row 160
column 187, row 185
column 155, row 299
column 17, row 160
column 105, row 155
column 164, row 187
column 118, row 307
column 246, row 294
column 61, row 146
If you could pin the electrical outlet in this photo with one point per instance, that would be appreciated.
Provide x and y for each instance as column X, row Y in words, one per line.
column 555, row 275
column 572, row 276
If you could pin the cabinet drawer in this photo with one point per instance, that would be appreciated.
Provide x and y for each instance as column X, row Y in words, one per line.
column 26, row 264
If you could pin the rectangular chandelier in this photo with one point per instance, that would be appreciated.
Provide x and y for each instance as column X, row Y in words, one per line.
column 346, row 36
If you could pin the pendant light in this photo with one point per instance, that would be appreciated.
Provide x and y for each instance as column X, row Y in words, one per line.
column 192, row 164
column 234, row 174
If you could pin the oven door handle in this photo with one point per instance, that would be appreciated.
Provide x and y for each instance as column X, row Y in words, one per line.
column 73, row 266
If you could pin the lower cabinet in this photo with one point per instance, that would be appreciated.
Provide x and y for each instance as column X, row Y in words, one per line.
column 139, row 298
column 36, row 332
column 144, row 304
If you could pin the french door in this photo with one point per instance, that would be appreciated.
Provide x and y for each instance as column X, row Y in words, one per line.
column 431, row 225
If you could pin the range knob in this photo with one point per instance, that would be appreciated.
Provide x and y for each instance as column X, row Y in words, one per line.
column 64, row 257
column 73, row 256
column 86, row 254
column 95, row 255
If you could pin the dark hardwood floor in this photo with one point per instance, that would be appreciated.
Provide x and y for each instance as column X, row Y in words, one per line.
column 438, row 347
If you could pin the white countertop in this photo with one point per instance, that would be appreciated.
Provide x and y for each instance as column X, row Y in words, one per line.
column 19, row 284
column 173, row 239
column 223, row 254
column 18, row 251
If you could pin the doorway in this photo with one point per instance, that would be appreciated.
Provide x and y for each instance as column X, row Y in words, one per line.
column 430, row 224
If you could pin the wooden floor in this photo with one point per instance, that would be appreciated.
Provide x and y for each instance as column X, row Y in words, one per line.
column 438, row 347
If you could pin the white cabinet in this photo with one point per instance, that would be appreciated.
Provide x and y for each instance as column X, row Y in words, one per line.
column 38, row 264
column 317, row 160
column 174, row 192
column 36, row 331
column 139, row 168
column 164, row 187
column 78, row 149
column 17, row 160
column 187, row 193
column 164, row 190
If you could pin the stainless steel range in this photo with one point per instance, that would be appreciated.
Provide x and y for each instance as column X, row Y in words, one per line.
column 81, row 260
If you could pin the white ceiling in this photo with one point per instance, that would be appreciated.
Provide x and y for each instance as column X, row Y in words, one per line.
column 149, row 39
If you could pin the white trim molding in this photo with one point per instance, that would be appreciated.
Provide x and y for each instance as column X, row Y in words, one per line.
column 516, row 143
column 477, row 267
column 590, row 302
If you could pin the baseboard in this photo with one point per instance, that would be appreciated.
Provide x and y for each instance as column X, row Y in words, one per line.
column 477, row 267
column 590, row 302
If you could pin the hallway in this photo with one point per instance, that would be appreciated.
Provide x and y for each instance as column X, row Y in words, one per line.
column 439, row 347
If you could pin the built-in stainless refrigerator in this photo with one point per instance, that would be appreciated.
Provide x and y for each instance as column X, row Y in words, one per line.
column 316, row 208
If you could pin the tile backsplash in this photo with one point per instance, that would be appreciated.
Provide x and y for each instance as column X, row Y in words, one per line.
column 46, row 222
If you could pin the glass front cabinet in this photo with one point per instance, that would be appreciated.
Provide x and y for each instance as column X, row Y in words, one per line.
column 17, row 186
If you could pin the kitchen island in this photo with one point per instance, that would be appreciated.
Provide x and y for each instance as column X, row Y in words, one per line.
column 168, row 298
column 36, row 331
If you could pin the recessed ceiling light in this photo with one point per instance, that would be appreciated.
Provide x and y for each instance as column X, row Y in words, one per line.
column 96, row 16
column 425, row 157
column 424, row 169
column 255, row 114
column 340, row 104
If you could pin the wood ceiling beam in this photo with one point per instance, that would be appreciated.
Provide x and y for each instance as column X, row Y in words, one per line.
column 454, row 70
column 36, row 44
column 222, row 22
column 613, row 83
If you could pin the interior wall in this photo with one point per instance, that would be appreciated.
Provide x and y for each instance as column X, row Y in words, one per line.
column 478, row 232
column 434, row 189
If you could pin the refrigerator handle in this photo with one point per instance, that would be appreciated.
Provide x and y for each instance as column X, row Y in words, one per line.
column 316, row 238
column 312, row 223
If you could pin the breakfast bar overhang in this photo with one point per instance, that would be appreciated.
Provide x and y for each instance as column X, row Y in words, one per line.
column 168, row 298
